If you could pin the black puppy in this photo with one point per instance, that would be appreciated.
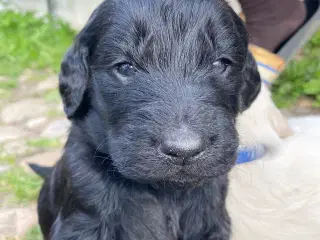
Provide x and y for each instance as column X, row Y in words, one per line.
column 153, row 88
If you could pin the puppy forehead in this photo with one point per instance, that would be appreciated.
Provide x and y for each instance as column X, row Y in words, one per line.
column 145, row 28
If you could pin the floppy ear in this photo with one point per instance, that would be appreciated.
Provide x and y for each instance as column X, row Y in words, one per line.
column 73, row 78
column 251, row 83
column 74, row 75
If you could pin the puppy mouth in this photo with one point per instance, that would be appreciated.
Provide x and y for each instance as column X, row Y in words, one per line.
column 192, row 173
column 184, row 179
column 217, row 171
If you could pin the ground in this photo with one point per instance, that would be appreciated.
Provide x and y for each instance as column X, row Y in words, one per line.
column 33, row 127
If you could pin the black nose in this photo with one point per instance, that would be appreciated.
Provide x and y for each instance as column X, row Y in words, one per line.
column 181, row 145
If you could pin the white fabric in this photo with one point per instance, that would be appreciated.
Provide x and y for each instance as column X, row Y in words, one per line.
column 235, row 5
column 277, row 197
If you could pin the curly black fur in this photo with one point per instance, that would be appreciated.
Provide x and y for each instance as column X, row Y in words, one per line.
column 113, row 182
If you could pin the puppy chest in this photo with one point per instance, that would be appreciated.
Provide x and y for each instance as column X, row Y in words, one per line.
column 170, row 220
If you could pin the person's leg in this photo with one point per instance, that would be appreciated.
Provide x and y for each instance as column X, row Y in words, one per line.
column 270, row 22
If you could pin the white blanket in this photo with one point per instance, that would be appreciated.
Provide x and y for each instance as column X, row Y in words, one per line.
column 278, row 196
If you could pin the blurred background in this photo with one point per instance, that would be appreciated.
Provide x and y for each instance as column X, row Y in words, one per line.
column 34, row 35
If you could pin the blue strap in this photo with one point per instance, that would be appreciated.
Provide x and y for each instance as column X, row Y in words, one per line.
column 266, row 82
column 267, row 67
column 250, row 154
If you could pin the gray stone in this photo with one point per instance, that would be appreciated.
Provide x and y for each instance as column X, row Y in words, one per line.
column 287, row 113
column 25, row 76
column 302, row 111
column 58, row 128
column 4, row 168
column 49, row 84
column 14, row 223
column 47, row 159
column 10, row 133
column 2, row 78
column 76, row 14
column 23, row 110
column 36, row 122
column 17, row 148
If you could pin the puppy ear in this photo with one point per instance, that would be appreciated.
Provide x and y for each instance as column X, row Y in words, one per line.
column 73, row 78
column 251, row 83
column 74, row 75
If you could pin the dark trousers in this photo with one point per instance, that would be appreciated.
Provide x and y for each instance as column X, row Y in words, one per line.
column 270, row 22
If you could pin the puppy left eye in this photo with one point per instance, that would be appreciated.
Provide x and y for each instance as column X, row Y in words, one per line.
column 125, row 69
column 222, row 64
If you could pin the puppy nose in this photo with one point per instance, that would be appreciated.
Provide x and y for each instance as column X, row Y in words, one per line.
column 181, row 145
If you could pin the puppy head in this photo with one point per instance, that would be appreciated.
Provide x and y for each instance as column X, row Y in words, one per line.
column 158, row 84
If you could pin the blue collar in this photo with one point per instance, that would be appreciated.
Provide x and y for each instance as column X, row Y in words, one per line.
column 249, row 154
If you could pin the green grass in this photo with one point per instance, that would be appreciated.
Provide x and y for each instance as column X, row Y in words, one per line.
column 4, row 94
column 6, row 87
column 33, row 234
column 24, row 186
column 301, row 77
column 8, row 84
column 52, row 113
column 52, row 96
column 44, row 143
column 27, row 41
column 7, row 159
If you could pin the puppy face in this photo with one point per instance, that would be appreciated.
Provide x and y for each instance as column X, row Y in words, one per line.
column 157, row 85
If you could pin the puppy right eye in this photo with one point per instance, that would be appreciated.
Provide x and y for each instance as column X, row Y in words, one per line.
column 125, row 69
column 222, row 64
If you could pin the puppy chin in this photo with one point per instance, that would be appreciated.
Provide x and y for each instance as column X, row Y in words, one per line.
column 175, row 177
column 182, row 181
column 179, row 181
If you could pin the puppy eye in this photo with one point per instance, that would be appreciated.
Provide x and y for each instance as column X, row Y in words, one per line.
column 125, row 69
column 222, row 64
